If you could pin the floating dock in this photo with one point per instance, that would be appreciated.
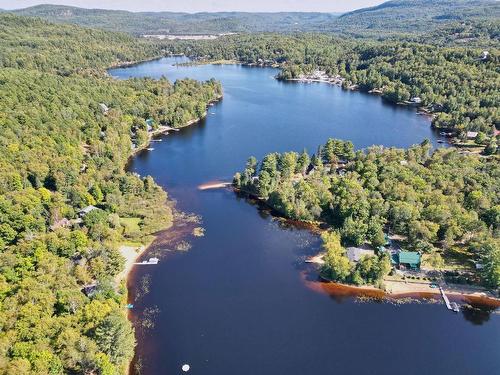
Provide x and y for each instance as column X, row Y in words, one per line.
column 151, row 261
column 214, row 185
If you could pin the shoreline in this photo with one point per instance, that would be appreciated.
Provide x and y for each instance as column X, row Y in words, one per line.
column 398, row 289
column 420, row 292
column 131, row 254
column 338, row 81
column 128, row 64
column 394, row 289
column 182, row 228
column 163, row 129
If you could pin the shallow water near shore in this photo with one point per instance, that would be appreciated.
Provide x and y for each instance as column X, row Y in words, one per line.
column 237, row 302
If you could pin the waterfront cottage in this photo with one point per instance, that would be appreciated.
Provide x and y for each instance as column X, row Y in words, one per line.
column 409, row 260
column 356, row 253
column 104, row 108
column 149, row 125
column 471, row 135
column 86, row 210
column 63, row 223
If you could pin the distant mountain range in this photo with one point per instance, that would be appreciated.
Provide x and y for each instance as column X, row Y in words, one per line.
column 397, row 16
column 413, row 16
column 180, row 23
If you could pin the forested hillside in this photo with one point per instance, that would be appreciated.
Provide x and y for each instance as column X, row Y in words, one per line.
column 414, row 16
column 460, row 86
column 181, row 23
column 30, row 43
column 393, row 18
column 67, row 131
column 443, row 204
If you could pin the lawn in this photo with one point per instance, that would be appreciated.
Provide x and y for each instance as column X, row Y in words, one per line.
column 130, row 225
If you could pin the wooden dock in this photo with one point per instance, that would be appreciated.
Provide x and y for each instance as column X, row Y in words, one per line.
column 151, row 261
column 452, row 306
column 214, row 185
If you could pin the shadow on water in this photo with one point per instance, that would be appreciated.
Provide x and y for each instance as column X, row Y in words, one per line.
column 478, row 314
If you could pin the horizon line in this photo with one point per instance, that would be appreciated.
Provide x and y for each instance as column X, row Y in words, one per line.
column 189, row 12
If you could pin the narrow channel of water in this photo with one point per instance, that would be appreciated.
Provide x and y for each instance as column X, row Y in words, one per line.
column 236, row 302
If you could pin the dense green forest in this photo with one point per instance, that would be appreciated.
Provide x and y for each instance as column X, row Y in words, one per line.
column 29, row 43
column 459, row 85
column 413, row 16
column 393, row 18
column 67, row 130
column 181, row 23
column 442, row 203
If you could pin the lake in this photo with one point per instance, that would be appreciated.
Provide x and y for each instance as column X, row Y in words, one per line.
column 237, row 301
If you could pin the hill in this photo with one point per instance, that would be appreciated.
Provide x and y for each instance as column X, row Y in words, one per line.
column 180, row 23
column 393, row 17
column 415, row 16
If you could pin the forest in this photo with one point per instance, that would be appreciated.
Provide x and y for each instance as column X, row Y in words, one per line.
column 442, row 203
column 406, row 17
column 397, row 18
column 67, row 132
column 180, row 23
column 459, row 86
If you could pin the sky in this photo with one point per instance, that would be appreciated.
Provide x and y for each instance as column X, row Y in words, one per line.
column 205, row 5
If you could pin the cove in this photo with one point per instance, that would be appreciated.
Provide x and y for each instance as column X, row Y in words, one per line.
column 237, row 302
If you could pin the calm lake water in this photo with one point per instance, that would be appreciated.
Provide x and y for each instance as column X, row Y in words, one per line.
column 236, row 302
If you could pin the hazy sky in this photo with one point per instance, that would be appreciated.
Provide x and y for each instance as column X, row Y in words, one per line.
column 205, row 5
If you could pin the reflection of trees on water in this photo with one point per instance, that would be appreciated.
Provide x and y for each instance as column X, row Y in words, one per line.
column 477, row 315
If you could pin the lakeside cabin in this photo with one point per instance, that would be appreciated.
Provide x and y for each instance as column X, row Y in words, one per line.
column 149, row 125
column 409, row 260
column 63, row 223
column 356, row 253
column 471, row 135
column 104, row 108
column 84, row 211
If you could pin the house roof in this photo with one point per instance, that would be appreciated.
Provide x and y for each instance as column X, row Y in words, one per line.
column 87, row 209
column 409, row 257
column 355, row 253
column 103, row 107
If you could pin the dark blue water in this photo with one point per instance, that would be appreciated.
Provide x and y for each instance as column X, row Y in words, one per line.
column 236, row 302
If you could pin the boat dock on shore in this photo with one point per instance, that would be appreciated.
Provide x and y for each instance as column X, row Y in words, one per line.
column 214, row 185
column 452, row 306
column 151, row 261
